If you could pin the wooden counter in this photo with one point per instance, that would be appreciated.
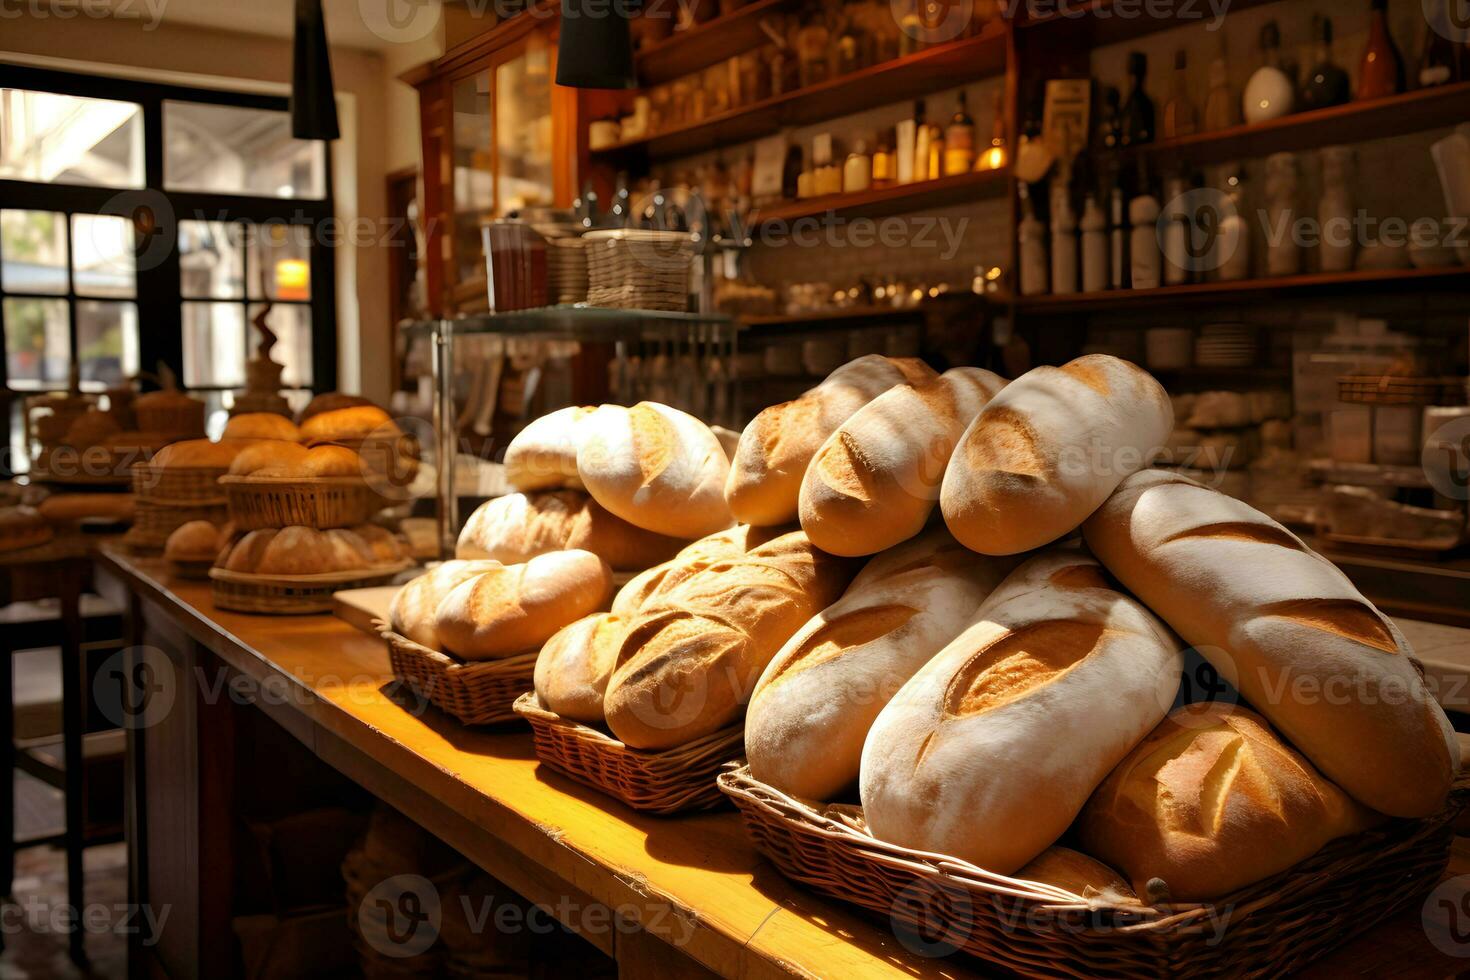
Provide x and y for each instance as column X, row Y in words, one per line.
column 693, row 882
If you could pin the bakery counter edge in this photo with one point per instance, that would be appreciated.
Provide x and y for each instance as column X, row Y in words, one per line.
column 694, row 882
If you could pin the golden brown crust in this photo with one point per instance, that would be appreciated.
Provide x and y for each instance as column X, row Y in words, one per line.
column 518, row 527
column 575, row 665
column 199, row 453
column 193, row 541
column 262, row 425
column 348, row 425
column 65, row 508
column 331, row 401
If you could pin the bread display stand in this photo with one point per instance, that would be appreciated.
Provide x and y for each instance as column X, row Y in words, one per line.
column 1274, row 926
column 678, row 780
column 292, row 595
column 476, row 693
column 320, row 502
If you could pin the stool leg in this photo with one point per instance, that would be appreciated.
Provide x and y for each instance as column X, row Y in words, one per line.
column 73, row 700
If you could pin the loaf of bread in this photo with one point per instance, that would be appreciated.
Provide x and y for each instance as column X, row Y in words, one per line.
column 1079, row 874
column 779, row 443
column 413, row 612
column 91, row 428
column 300, row 550
column 543, row 455
column 194, row 541
column 655, row 467
column 695, row 650
column 331, row 401
column 573, row 668
column 199, row 454
column 818, row 697
column 995, row 745
column 1049, row 449
column 632, row 596
column 261, row 456
column 67, row 508
column 349, row 425
column 518, row 527
column 1211, row 801
column 286, row 460
column 513, row 609
column 875, row 481
column 261, row 425
column 1289, row 630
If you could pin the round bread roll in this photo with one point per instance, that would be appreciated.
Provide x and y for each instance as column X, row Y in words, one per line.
column 412, row 612
column 573, row 668
column 331, row 401
column 817, row 698
column 198, row 453
column 383, row 545
column 518, row 527
column 1211, row 801
column 1290, row 631
column 778, row 444
column 348, row 425
column 330, row 462
column 1075, row 872
column 655, row 467
column 543, row 455
column 1049, row 449
column 194, row 541
column 261, row 425
column 515, row 608
column 989, row 752
column 245, row 556
column 875, row 481
column 272, row 455
column 298, row 551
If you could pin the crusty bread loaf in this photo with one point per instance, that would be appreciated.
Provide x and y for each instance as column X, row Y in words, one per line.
column 269, row 455
column 1079, row 874
column 543, row 455
column 655, row 467
column 66, row 508
column 573, row 668
column 277, row 460
column 876, row 480
column 413, row 612
column 817, row 698
column 695, row 650
column 261, row 425
column 331, row 401
column 779, row 443
column 199, row 453
column 518, row 527
column 632, row 596
column 1211, row 801
column 1288, row 629
column 993, row 747
column 513, row 609
column 1049, row 449
column 348, row 425
column 384, row 546
column 300, row 550
column 193, row 541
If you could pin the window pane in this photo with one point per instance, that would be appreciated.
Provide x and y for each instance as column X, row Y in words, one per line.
column 523, row 130
column 233, row 150
column 103, row 255
column 63, row 139
column 292, row 326
column 211, row 260
column 37, row 344
column 107, row 342
column 33, row 249
column 474, row 191
column 214, row 344
column 282, row 256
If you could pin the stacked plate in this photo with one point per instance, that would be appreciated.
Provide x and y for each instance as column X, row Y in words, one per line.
column 630, row 268
column 1223, row 345
column 566, row 270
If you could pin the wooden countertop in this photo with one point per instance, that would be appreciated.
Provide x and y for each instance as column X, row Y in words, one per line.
column 695, row 882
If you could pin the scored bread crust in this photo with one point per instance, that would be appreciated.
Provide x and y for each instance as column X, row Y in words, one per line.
column 817, row 698
column 1049, row 449
column 1211, row 801
column 574, row 666
column 775, row 449
column 543, row 455
column 412, row 613
column 876, row 480
column 518, row 527
column 989, row 752
column 1289, row 630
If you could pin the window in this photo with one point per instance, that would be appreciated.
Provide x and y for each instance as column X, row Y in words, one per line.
column 233, row 150
column 61, row 139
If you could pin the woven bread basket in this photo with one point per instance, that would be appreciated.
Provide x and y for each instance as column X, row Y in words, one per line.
column 194, row 485
column 1270, row 928
column 678, row 780
column 475, row 692
column 154, row 521
column 316, row 502
column 292, row 595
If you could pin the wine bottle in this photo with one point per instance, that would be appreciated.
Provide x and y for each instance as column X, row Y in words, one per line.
column 1180, row 116
column 1326, row 84
column 959, row 140
column 1138, row 108
column 1439, row 62
column 1222, row 108
column 1382, row 71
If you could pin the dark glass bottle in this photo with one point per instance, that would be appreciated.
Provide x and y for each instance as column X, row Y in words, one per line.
column 791, row 172
column 1138, row 108
column 1382, row 73
column 1439, row 62
column 1110, row 120
column 1326, row 84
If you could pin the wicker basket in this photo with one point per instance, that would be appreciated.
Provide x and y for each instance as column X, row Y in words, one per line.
column 292, row 595
column 194, row 485
column 1274, row 927
column 153, row 521
column 679, row 780
column 320, row 502
column 476, row 693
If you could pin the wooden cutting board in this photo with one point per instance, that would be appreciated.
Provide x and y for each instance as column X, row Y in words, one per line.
column 359, row 607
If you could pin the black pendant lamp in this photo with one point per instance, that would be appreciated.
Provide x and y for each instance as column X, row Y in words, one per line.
column 595, row 49
column 313, row 101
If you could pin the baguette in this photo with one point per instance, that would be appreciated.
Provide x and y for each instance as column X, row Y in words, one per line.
column 511, row 609
column 1081, row 875
column 989, row 752
column 1049, row 449
column 778, row 444
column 543, row 455
column 518, row 527
column 818, row 697
column 573, row 668
column 695, row 650
column 875, row 481
column 1289, row 630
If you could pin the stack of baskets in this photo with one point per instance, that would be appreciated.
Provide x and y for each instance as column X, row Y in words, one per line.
column 178, row 485
column 632, row 268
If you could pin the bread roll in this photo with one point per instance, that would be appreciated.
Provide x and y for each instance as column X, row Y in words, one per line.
column 384, row 546
column 1289, row 630
column 273, row 455
column 655, row 467
column 518, row 527
column 1049, row 449
column 199, row 453
column 512, row 609
column 261, row 425
column 779, row 443
column 65, row 508
column 1212, row 801
column 573, row 668
column 246, row 554
column 348, row 425
column 694, row 652
column 818, row 697
column 875, row 481
column 543, row 455
column 412, row 612
column 193, row 541
column 993, row 747
column 331, row 401
column 1085, row 877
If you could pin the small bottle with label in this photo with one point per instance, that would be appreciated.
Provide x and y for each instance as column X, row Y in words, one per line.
column 959, row 140
column 885, row 163
column 857, row 172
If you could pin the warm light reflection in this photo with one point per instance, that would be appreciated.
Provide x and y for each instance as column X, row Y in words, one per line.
column 292, row 279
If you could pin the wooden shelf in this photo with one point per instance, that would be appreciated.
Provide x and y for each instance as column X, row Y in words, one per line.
column 1250, row 290
column 894, row 199
column 686, row 52
column 848, row 315
column 1106, row 22
column 942, row 66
